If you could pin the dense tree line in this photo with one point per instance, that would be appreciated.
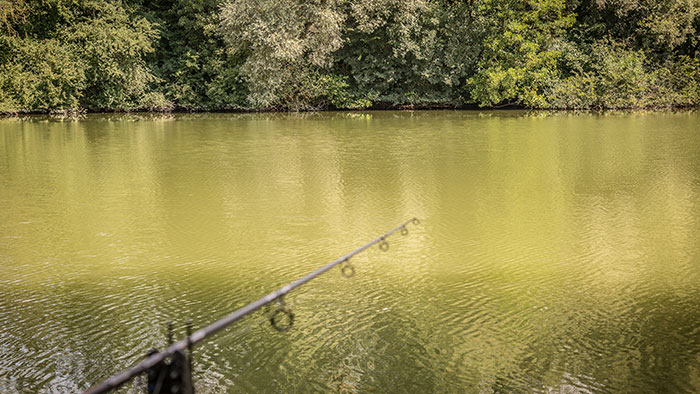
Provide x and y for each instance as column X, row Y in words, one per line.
column 298, row 55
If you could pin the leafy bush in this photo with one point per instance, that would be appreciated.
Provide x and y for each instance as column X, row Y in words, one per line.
column 42, row 75
column 112, row 46
column 519, row 53
column 87, row 54
column 415, row 53
column 339, row 94
column 195, row 70
column 614, row 76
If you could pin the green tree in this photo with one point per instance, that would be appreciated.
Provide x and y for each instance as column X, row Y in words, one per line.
column 520, row 52
column 286, row 44
column 658, row 25
column 112, row 44
column 411, row 53
column 59, row 54
column 194, row 67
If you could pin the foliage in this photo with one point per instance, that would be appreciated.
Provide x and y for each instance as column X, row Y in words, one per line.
column 162, row 55
column 390, row 51
column 415, row 53
column 338, row 92
column 285, row 42
column 613, row 76
column 658, row 25
column 65, row 55
column 195, row 70
column 520, row 52
column 112, row 45
column 41, row 76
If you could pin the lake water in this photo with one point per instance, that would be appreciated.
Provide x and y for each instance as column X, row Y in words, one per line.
column 556, row 252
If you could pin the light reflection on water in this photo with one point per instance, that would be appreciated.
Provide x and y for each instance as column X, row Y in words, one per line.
column 555, row 254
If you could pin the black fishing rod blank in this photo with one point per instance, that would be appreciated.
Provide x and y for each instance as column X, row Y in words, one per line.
column 177, row 349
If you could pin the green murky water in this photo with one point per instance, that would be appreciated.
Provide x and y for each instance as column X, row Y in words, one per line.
column 555, row 253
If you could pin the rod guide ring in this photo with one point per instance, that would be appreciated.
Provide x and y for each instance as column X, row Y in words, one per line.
column 347, row 269
column 384, row 246
column 278, row 315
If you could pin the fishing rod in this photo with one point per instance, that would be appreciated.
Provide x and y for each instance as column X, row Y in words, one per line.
column 159, row 371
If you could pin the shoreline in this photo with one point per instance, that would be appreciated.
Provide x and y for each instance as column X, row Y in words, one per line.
column 474, row 108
